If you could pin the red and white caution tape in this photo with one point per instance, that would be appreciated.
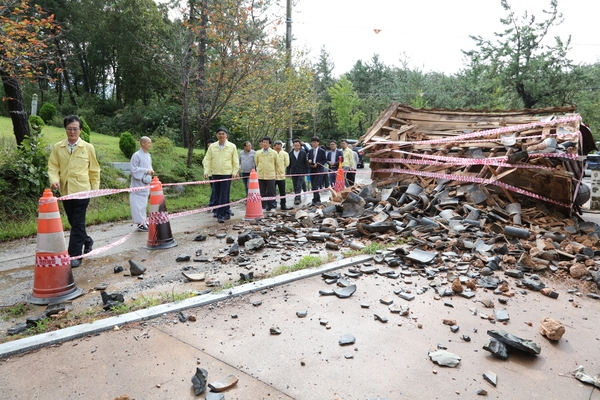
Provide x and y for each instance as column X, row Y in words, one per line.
column 473, row 179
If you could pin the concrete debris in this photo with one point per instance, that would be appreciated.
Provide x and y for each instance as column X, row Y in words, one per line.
column 551, row 329
column 224, row 384
column 136, row 268
column 199, row 380
column 444, row 358
column 580, row 375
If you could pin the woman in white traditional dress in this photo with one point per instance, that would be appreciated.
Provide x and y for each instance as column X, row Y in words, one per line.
column 141, row 175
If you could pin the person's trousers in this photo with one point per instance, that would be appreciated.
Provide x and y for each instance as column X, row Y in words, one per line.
column 298, row 182
column 351, row 177
column 211, row 201
column 76, row 210
column 316, row 178
column 281, row 188
column 267, row 189
column 332, row 177
column 221, row 191
column 245, row 179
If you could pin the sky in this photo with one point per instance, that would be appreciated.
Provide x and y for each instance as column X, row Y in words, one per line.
column 430, row 34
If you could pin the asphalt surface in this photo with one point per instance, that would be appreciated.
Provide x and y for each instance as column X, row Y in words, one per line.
column 151, row 354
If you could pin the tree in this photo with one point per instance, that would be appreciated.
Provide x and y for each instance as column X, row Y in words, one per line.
column 233, row 44
column 323, row 119
column 519, row 61
column 262, row 108
column 25, row 45
column 345, row 103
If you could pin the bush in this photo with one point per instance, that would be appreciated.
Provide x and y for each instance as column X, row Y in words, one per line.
column 23, row 176
column 85, row 130
column 47, row 112
column 37, row 124
column 162, row 146
column 127, row 144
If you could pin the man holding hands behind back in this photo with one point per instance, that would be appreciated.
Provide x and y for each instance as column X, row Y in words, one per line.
column 73, row 168
column 316, row 161
column 222, row 163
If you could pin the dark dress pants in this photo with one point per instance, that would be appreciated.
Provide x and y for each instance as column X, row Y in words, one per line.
column 267, row 189
column 245, row 179
column 316, row 177
column 76, row 210
column 298, row 181
column 221, row 191
column 281, row 188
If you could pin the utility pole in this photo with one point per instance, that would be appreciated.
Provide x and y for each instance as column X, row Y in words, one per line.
column 288, row 49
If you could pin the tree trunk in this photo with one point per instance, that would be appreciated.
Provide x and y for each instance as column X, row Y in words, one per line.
column 201, row 85
column 16, row 106
column 65, row 74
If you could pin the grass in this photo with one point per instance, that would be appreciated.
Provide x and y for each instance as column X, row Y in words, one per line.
column 115, row 207
column 68, row 319
column 14, row 311
column 304, row 263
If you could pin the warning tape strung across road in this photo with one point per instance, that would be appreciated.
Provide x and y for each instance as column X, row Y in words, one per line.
column 491, row 132
column 104, row 248
column 473, row 179
column 460, row 161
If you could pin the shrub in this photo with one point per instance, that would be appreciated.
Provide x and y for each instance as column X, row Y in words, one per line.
column 162, row 146
column 47, row 112
column 37, row 124
column 23, row 176
column 85, row 130
column 127, row 144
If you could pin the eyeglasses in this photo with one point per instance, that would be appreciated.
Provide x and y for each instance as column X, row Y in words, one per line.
column 72, row 129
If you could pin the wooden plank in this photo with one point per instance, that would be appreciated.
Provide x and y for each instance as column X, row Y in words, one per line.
column 381, row 121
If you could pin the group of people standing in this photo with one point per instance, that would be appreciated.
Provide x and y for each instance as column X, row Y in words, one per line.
column 73, row 167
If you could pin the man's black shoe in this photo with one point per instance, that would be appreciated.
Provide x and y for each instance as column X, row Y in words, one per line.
column 221, row 220
column 228, row 216
column 88, row 247
column 75, row 263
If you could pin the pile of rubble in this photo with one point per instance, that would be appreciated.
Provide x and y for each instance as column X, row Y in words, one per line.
column 514, row 155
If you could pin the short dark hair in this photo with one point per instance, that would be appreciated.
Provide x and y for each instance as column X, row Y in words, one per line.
column 315, row 139
column 222, row 129
column 296, row 141
column 344, row 141
column 247, row 142
column 332, row 141
column 73, row 118
column 209, row 141
column 268, row 139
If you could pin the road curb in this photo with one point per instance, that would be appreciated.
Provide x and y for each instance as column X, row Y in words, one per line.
column 47, row 339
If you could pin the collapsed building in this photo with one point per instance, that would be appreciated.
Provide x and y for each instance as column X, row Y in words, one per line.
column 502, row 159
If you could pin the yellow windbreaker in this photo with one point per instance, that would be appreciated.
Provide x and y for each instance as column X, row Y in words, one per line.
column 76, row 172
column 284, row 161
column 267, row 164
column 223, row 161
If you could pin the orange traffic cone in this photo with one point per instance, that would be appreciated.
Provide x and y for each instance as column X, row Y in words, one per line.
column 339, row 178
column 159, row 227
column 53, row 278
column 253, row 200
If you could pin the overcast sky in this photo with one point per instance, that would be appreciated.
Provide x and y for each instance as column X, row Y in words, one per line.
column 431, row 33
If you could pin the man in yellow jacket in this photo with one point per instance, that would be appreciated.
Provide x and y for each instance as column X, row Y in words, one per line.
column 222, row 163
column 284, row 162
column 73, row 168
column 348, row 164
column 267, row 164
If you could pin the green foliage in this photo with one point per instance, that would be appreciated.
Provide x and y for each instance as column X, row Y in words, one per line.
column 85, row 130
column 23, row 176
column 48, row 112
column 345, row 103
column 127, row 144
column 162, row 147
column 518, row 67
column 37, row 124
column 304, row 263
column 14, row 311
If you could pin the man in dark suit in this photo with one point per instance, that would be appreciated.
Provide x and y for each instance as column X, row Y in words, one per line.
column 316, row 162
column 298, row 168
column 333, row 158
